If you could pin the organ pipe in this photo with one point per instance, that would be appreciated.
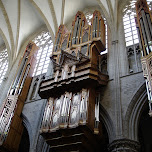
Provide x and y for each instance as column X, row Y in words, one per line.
column 146, row 26
column 144, row 36
column 76, row 80
column 149, row 23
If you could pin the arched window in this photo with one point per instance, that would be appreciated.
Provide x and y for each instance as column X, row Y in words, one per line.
column 3, row 63
column 130, row 30
column 45, row 44
column 131, row 36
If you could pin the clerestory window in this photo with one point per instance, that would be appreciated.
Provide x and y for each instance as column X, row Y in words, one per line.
column 3, row 63
column 131, row 36
column 45, row 44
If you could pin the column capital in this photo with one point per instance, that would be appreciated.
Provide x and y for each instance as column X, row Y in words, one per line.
column 126, row 145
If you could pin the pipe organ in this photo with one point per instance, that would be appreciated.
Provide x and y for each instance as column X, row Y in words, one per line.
column 144, row 28
column 10, row 121
column 71, row 117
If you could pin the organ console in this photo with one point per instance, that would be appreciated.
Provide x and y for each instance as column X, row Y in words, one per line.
column 144, row 28
column 10, row 113
column 71, row 118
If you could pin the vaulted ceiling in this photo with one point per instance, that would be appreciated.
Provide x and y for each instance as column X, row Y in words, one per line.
column 19, row 19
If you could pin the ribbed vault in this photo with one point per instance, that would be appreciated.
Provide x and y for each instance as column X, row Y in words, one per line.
column 21, row 18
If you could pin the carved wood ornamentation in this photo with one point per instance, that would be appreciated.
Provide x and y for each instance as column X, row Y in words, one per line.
column 74, row 88
column 11, row 126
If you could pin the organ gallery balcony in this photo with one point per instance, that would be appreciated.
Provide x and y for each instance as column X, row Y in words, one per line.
column 71, row 117
column 78, row 71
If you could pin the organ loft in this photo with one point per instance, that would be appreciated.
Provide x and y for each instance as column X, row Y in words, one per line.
column 71, row 119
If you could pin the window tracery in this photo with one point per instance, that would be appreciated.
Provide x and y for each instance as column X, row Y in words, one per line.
column 131, row 36
column 45, row 44
column 3, row 64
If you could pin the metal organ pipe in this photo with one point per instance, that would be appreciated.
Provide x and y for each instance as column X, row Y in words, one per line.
column 99, row 27
column 57, row 42
column 69, row 103
column 144, row 35
column 146, row 25
column 75, row 30
column 81, row 31
column 140, row 42
column 97, row 109
column 96, row 27
column 148, row 92
column 149, row 23
column 69, row 44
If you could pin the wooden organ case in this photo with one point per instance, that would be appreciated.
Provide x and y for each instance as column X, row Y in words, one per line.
column 11, row 127
column 144, row 28
column 71, row 117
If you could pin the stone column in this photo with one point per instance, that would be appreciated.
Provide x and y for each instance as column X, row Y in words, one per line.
column 117, row 91
column 124, row 145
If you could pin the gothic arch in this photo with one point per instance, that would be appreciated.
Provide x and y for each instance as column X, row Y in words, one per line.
column 133, row 113
column 122, row 4
column 28, row 127
column 30, row 38
column 108, row 123
column 44, row 18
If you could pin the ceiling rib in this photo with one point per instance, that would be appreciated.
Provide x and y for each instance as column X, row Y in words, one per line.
column 9, row 28
column 53, row 15
column 18, row 25
column 110, row 9
column 45, row 20
column 62, row 11
column 105, row 13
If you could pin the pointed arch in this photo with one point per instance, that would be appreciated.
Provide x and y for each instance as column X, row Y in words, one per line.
column 44, row 18
column 28, row 127
column 106, row 14
column 122, row 4
column 30, row 38
column 108, row 123
column 8, row 27
column 133, row 113
column 110, row 9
